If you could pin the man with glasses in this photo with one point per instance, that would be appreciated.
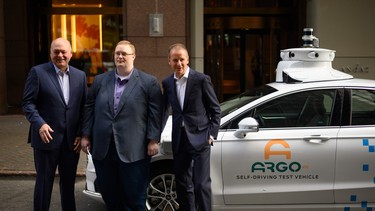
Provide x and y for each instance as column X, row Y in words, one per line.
column 122, row 127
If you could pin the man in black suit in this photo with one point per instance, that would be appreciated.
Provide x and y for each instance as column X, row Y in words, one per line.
column 195, row 125
column 122, row 127
column 53, row 103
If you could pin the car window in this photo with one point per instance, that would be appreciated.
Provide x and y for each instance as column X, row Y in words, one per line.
column 244, row 98
column 303, row 109
column 363, row 107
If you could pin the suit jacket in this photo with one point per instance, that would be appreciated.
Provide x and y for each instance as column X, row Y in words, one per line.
column 137, row 120
column 43, row 102
column 200, row 113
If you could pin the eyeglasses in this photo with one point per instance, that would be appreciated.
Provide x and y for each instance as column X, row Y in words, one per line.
column 123, row 53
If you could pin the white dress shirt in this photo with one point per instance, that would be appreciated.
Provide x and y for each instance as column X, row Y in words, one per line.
column 181, row 87
column 63, row 78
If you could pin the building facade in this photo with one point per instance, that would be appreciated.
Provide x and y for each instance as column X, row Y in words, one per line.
column 236, row 42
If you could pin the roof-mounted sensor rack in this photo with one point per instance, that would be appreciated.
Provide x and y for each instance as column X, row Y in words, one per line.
column 308, row 63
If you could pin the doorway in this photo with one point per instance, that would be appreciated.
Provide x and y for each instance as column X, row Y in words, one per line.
column 248, row 60
column 93, row 27
column 243, row 43
column 241, row 59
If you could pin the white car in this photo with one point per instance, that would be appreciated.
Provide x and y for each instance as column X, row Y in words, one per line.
column 304, row 142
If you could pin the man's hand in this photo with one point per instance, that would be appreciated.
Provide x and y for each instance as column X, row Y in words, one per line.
column 45, row 133
column 211, row 140
column 85, row 144
column 152, row 148
column 77, row 145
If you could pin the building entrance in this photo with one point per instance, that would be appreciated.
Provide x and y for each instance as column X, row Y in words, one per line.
column 93, row 27
column 242, row 51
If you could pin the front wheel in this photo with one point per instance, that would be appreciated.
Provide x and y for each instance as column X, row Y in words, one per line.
column 161, row 190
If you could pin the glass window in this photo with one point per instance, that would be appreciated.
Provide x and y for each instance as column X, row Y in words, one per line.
column 240, row 100
column 92, row 32
column 247, row 3
column 304, row 109
column 86, row 3
column 363, row 107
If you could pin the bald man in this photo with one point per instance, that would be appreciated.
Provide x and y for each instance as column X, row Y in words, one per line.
column 53, row 103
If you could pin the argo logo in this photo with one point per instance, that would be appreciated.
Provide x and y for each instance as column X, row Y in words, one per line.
column 280, row 166
column 268, row 152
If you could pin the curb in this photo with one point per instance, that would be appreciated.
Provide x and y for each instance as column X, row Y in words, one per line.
column 29, row 173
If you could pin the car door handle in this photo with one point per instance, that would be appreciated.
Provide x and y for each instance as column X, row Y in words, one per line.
column 316, row 139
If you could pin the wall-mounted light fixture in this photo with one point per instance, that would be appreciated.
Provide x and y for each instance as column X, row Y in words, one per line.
column 156, row 25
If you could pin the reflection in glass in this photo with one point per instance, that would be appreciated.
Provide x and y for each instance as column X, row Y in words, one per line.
column 92, row 36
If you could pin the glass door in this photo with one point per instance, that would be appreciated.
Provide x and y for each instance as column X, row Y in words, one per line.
column 243, row 39
column 93, row 27
column 238, row 60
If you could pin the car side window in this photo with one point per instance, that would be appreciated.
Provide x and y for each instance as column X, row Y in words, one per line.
column 363, row 107
column 303, row 109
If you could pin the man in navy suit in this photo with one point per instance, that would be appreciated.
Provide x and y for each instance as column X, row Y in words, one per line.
column 196, row 120
column 53, row 103
column 122, row 127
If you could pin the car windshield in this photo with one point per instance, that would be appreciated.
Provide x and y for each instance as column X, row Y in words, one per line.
column 240, row 100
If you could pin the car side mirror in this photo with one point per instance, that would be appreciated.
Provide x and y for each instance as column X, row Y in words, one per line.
column 246, row 125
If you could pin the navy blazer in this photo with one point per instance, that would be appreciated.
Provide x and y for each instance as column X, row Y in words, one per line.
column 43, row 102
column 137, row 120
column 200, row 113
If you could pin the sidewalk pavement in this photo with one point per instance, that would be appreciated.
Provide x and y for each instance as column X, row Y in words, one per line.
column 16, row 155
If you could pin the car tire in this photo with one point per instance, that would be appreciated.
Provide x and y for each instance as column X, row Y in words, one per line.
column 161, row 190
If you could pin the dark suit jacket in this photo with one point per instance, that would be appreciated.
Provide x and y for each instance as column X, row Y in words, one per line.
column 43, row 102
column 137, row 121
column 201, row 111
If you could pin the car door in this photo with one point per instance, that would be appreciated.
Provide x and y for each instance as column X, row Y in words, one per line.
column 355, row 164
column 291, row 158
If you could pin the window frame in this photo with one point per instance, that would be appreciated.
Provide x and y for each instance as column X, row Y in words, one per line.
column 333, row 118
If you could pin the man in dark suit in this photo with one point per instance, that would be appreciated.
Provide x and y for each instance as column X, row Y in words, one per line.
column 196, row 121
column 53, row 102
column 122, row 127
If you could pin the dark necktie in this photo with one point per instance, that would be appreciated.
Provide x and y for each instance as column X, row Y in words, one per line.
column 118, row 92
column 122, row 82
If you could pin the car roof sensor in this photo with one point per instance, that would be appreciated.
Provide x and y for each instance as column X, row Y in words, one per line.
column 308, row 63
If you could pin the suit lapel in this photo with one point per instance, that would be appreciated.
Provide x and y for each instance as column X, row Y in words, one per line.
column 111, row 89
column 174, row 100
column 73, row 76
column 189, row 86
column 52, row 74
column 133, row 80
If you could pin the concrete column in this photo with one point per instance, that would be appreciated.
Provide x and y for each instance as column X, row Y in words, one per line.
column 196, row 54
column 346, row 27
column 3, row 81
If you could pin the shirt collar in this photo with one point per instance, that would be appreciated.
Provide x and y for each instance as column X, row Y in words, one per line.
column 58, row 70
column 186, row 75
column 123, row 77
